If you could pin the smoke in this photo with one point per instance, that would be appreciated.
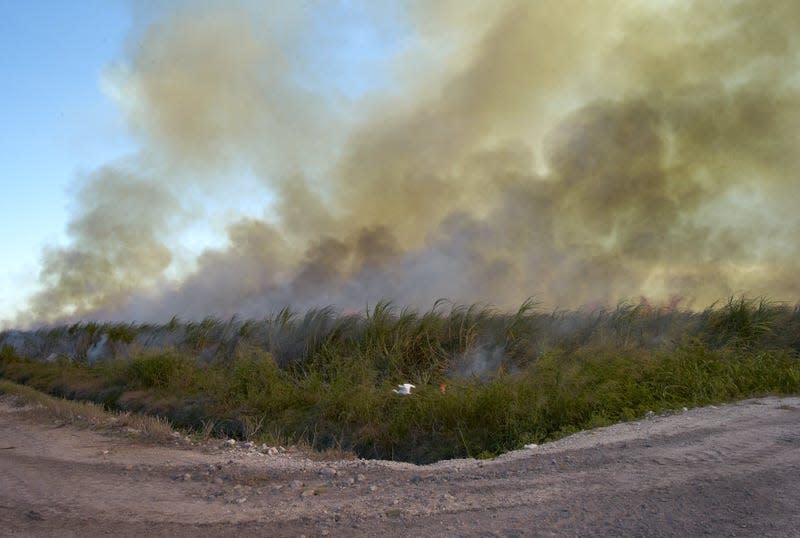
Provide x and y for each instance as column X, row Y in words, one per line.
column 117, row 245
column 578, row 152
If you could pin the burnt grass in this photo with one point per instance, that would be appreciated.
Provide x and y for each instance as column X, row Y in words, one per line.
column 486, row 381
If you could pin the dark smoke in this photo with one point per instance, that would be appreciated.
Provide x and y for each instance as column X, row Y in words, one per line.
column 578, row 152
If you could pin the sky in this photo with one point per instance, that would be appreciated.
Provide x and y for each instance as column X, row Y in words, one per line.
column 56, row 122
column 197, row 158
column 62, row 118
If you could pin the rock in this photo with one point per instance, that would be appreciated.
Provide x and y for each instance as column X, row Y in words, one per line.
column 272, row 451
column 34, row 515
column 373, row 488
column 531, row 446
column 360, row 477
column 230, row 442
column 295, row 484
column 328, row 472
column 241, row 500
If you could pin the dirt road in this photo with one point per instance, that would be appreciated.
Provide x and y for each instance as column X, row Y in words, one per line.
column 731, row 470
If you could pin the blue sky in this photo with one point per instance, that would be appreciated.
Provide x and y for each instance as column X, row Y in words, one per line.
column 58, row 124
column 56, row 121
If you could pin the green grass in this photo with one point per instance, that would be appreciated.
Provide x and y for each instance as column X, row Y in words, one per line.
column 512, row 378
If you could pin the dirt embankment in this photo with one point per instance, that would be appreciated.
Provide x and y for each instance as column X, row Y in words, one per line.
column 732, row 470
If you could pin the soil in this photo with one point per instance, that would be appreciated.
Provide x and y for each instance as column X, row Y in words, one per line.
column 730, row 470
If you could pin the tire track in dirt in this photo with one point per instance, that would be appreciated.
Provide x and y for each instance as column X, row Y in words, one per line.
column 726, row 470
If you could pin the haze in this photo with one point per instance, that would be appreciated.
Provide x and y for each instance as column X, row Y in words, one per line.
column 578, row 152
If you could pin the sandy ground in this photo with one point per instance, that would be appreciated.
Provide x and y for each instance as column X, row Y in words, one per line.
column 732, row 470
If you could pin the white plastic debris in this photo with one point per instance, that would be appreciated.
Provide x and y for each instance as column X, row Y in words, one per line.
column 404, row 389
column 531, row 446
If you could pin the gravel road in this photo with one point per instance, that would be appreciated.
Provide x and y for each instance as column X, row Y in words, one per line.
column 731, row 470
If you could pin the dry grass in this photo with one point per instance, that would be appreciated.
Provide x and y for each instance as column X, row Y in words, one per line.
column 90, row 415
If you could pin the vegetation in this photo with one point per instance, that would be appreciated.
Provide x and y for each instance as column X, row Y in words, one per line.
column 88, row 414
column 486, row 381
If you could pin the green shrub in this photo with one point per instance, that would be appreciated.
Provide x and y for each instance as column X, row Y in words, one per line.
column 162, row 370
column 327, row 381
column 8, row 355
column 121, row 333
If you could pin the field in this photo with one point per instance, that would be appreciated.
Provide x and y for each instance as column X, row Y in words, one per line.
column 486, row 381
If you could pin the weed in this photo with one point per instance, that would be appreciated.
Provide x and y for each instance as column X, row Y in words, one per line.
column 486, row 381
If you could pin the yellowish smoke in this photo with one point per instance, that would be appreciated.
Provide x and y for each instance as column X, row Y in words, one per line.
column 581, row 152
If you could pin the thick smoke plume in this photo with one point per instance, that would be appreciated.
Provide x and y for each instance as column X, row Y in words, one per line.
column 578, row 152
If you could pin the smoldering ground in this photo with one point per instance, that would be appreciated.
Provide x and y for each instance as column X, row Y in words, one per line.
column 578, row 152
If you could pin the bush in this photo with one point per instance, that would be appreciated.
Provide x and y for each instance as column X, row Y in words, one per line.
column 510, row 379
column 161, row 370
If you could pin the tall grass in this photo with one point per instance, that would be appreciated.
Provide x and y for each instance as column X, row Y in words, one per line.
column 487, row 381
